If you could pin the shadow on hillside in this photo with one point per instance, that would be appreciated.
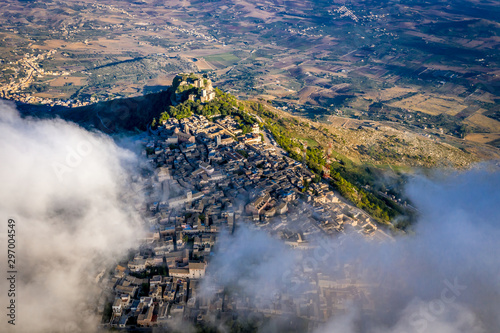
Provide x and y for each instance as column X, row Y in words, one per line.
column 124, row 114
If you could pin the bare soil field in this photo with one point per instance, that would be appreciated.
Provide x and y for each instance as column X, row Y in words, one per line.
column 65, row 80
column 252, row 11
column 430, row 104
column 51, row 94
column 305, row 93
column 390, row 93
column 483, row 137
column 482, row 121
column 202, row 65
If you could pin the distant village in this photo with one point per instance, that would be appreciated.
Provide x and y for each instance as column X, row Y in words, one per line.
column 210, row 178
column 14, row 90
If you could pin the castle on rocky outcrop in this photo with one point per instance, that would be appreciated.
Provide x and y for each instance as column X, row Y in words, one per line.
column 199, row 88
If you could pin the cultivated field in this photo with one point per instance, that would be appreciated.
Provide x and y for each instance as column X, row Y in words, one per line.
column 390, row 93
column 67, row 80
column 483, row 137
column 431, row 104
column 482, row 121
column 365, row 66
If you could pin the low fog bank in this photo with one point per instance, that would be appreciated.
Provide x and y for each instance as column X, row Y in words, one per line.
column 68, row 191
column 250, row 260
column 442, row 277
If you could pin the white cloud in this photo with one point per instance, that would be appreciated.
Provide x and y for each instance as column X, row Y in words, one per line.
column 69, row 224
column 443, row 277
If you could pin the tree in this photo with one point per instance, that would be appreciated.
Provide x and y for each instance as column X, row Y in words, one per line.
column 144, row 289
column 164, row 117
column 306, row 186
column 317, row 178
column 464, row 130
column 107, row 313
column 246, row 129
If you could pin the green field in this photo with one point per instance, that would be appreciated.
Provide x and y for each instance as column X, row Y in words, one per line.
column 310, row 142
column 222, row 58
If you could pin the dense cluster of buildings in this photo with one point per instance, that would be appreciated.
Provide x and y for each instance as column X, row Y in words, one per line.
column 208, row 178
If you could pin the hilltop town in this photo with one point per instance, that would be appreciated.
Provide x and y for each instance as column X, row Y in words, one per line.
column 210, row 178
column 278, row 166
